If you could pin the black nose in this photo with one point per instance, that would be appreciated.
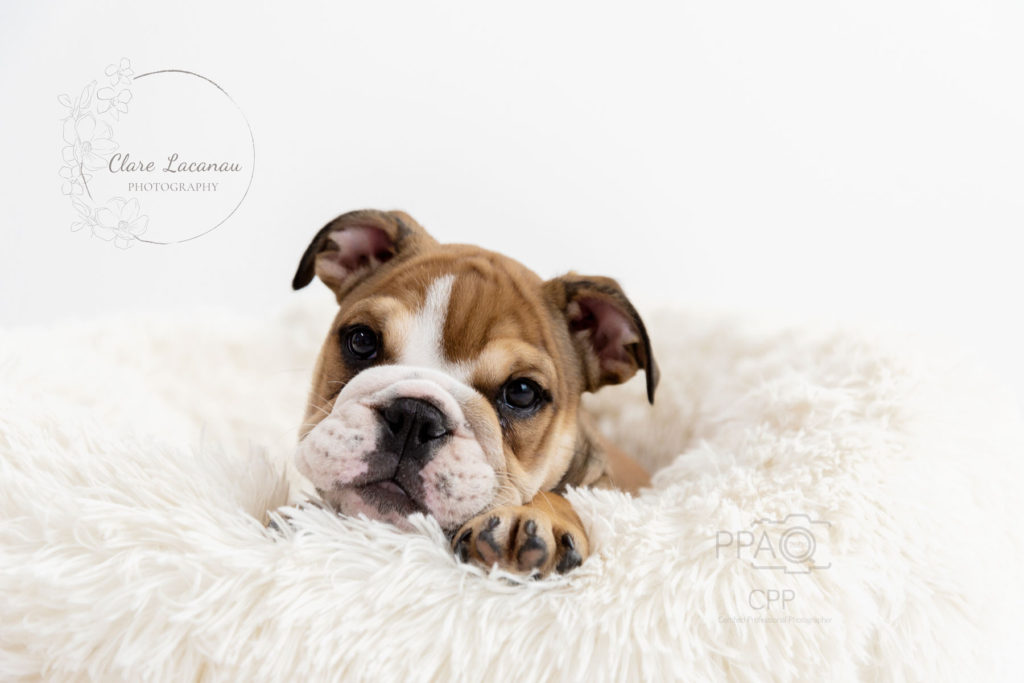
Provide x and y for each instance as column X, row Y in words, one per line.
column 412, row 424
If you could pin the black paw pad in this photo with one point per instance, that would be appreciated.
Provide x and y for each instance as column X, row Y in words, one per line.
column 570, row 558
column 534, row 551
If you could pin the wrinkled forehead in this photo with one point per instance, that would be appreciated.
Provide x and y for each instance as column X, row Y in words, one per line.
column 466, row 313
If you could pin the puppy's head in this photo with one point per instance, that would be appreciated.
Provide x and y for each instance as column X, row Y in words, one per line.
column 450, row 379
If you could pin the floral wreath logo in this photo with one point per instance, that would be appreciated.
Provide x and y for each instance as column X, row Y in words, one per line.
column 87, row 131
column 88, row 144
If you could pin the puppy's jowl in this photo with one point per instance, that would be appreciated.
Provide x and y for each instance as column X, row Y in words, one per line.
column 450, row 384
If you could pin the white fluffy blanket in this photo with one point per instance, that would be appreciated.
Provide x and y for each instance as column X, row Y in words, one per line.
column 138, row 459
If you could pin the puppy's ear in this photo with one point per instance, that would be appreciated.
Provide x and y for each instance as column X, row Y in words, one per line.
column 608, row 333
column 355, row 244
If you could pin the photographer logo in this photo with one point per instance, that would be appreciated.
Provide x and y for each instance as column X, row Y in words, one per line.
column 797, row 544
column 160, row 157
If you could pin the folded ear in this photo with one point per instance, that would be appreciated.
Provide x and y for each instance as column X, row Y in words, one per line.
column 355, row 244
column 607, row 331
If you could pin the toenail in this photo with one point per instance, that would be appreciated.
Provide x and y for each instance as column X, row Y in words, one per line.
column 462, row 546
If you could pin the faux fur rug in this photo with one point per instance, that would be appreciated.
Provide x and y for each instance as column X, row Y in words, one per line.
column 825, row 508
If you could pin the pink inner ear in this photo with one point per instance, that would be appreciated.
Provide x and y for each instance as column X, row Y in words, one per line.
column 357, row 247
column 611, row 329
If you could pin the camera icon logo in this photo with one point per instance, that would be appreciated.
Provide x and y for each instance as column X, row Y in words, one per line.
column 794, row 551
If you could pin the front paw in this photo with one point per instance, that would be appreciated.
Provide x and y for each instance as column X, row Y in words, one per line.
column 522, row 539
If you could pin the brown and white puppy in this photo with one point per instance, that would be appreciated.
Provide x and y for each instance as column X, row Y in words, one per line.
column 450, row 384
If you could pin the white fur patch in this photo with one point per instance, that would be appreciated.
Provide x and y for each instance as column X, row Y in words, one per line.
column 423, row 345
column 335, row 451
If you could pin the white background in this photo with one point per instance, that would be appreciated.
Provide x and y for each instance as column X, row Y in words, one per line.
column 849, row 161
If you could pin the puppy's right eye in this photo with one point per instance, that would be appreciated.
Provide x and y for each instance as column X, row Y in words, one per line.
column 361, row 342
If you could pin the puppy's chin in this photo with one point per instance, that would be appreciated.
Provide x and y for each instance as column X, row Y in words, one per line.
column 383, row 501
column 387, row 502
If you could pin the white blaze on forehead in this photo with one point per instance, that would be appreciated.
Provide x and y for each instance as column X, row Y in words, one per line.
column 423, row 341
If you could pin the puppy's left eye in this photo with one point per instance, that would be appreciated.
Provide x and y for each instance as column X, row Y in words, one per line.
column 522, row 394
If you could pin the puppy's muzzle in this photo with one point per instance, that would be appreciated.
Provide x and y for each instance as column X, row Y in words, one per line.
column 403, row 439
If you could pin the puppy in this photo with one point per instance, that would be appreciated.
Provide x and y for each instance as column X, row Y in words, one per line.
column 450, row 384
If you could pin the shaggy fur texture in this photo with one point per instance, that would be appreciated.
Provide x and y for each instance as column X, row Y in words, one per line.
column 138, row 459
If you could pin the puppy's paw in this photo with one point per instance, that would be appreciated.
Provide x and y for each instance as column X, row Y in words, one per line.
column 523, row 539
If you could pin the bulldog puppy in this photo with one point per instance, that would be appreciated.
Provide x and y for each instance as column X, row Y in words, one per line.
column 450, row 384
